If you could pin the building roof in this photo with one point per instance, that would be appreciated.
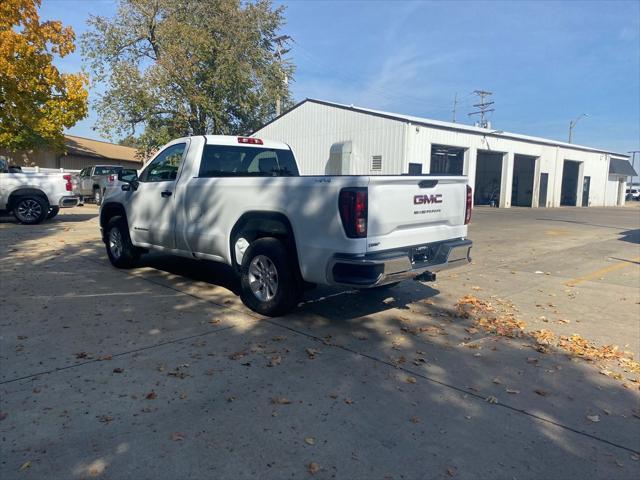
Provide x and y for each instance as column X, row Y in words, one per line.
column 98, row 149
column 621, row 167
column 459, row 127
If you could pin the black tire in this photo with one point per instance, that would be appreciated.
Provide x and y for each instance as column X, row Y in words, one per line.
column 97, row 196
column 125, row 255
column 30, row 210
column 288, row 287
column 53, row 211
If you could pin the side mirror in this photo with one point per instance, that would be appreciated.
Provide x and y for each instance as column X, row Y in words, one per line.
column 130, row 178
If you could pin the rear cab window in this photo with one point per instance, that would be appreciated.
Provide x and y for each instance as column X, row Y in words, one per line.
column 242, row 161
column 107, row 170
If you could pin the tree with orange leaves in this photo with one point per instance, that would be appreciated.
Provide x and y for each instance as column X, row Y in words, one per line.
column 36, row 101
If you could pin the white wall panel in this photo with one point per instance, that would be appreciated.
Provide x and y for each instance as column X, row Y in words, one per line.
column 312, row 128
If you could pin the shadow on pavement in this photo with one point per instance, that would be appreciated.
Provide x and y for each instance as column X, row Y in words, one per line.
column 112, row 375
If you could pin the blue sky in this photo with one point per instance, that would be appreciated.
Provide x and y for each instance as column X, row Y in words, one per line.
column 546, row 62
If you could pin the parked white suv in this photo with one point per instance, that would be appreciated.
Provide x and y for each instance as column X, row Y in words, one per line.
column 34, row 197
column 241, row 201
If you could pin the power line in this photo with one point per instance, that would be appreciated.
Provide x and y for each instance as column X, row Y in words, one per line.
column 483, row 107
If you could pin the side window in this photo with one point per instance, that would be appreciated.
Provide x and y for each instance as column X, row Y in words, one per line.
column 165, row 166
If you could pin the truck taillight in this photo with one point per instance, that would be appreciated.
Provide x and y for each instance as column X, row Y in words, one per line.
column 69, row 185
column 469, row 206
column 353, row 208
column 250, row 140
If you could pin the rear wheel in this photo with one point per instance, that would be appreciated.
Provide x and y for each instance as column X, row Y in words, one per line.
column 53, row 211
column 30, row 210
column 268, row 279
column 122, row 253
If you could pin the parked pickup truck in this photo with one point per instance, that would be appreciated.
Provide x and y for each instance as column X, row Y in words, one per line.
column 92, row 182
column 34, row 197
column 241, row 201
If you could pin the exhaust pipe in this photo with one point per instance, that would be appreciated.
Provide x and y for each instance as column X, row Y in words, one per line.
column 425, row 277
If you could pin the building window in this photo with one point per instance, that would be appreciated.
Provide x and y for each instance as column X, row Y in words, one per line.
column 376, row 163
column 415, row 169
column 447, row 160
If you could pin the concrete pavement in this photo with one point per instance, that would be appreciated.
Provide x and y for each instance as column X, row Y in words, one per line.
column 161, row 372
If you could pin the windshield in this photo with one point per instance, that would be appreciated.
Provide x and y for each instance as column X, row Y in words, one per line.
column 232, row 161
column 107, row 170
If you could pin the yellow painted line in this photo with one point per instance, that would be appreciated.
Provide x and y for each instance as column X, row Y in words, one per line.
column 601, row 272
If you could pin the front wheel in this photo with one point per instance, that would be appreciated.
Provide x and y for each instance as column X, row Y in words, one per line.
column 31, row 210
column 97, row 196
column 268, row 280
column 122, row 253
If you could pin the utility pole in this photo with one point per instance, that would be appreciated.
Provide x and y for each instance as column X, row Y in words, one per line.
column 281, row 43
column 455, row 105
column 573, row 123
column 483, row 107
column 633, row 163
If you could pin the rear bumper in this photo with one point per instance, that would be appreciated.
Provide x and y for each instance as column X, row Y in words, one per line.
column 68, row 201
column 380, row 268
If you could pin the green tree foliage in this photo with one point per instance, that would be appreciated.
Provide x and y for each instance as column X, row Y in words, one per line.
column 172, row 68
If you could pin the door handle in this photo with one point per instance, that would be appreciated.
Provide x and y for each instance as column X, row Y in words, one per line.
column 166, row 193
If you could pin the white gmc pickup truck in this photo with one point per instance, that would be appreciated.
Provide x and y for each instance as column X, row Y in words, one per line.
column 241, row 201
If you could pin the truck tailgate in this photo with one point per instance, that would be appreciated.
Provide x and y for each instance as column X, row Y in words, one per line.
column 406, row 211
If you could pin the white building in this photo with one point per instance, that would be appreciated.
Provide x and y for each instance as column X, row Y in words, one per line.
column 504, row 168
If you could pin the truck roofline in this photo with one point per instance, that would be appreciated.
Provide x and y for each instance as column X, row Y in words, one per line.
column 233, row 140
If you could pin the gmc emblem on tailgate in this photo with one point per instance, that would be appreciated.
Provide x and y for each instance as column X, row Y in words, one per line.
column 422, row 199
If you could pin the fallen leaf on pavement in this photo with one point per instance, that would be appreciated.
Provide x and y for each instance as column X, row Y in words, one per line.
column 348, row 401
column 451, row 471
column 105, row 418
column 312, row 352
column 237, row 355
column 410, row 380
column 415, row 419
column 496, row 381
column 310, row 441
column 25, row 465
column 151, row 395
column 280, row 401
column 313, row 468
column 594, row 418
column 81, row 355
column 274, row 361
column 512, row 391
column 542, row 393
column 177, row 436
column 118, row 370
column 491, row 399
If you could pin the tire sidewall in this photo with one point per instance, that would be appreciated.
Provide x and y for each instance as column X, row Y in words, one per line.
column 97, row 196
column 53, row 211
column 44, row 209
column 130, row 254
column 288, row 291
